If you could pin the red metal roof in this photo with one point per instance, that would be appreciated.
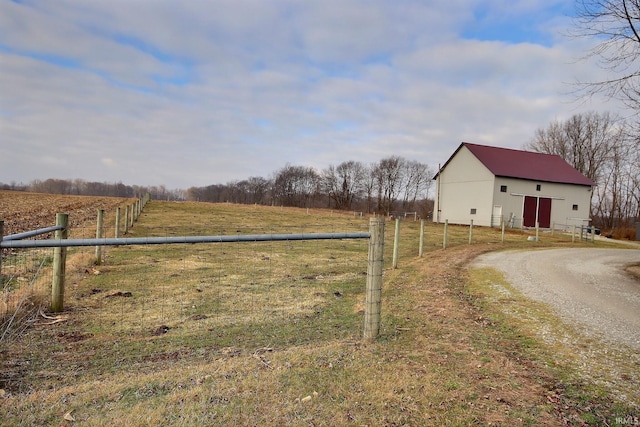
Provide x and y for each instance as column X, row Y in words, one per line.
column 509, row 163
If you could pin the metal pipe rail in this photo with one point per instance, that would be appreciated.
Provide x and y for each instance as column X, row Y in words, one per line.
column 62, row 243
column 32, row 233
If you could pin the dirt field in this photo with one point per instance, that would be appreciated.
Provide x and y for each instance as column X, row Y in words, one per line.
column 23, row 211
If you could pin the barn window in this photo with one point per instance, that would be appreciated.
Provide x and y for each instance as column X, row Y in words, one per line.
column 538, row 187
column 503, row 188
column 473, row 211
column 575, row 207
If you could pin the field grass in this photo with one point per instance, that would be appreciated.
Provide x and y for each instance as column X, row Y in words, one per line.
column 270, row 334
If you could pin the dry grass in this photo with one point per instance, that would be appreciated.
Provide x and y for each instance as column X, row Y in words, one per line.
column 634, row 270
column 583, row 365
column 270, row 334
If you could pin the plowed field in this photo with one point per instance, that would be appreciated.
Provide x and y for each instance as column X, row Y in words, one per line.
column 23, row 211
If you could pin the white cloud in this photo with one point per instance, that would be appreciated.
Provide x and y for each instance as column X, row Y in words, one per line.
column 201, row 92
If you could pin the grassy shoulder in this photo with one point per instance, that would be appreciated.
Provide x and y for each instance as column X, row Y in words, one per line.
column 595, row 382
column 169, row 337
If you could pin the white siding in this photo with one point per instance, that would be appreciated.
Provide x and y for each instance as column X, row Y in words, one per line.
column 466, row 184
column 563, row 196
column 463, row 185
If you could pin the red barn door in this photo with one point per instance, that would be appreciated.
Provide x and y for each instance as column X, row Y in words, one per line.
column 543, row 207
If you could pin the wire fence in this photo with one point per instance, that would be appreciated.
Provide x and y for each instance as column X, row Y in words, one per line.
column 25, row 283
column 146, row 303
column 137, row 304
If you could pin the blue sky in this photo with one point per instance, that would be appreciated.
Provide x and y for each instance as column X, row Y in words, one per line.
column 198, row 92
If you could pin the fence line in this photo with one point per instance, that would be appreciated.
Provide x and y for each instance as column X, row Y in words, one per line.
column 60, row 243
column 125, row 241
column 16, row 290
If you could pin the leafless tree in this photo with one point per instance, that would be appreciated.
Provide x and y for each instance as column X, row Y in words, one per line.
column 369, row 186
column 295, row 186
column 584, row 141
column 417, row 181
column 600, row 147
column 389, row 175
column 615, row 24
column 258, row 188
column 344, row 183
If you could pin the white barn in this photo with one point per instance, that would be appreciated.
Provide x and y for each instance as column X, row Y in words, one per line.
column 486, row 184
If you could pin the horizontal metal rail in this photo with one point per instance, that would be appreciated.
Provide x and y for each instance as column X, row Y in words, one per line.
column 33, row 233
column 52, row 243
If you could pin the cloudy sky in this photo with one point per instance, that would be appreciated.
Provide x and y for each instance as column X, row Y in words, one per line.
column 198, row 92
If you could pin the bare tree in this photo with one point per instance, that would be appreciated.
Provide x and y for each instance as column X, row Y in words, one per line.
column 343, row 183
column 601, row 148
column 416, row 183
column 369, row 185
column 584, row 141
column 295, row 186
column 258, row 188
column 615, row 24
column 389, row 176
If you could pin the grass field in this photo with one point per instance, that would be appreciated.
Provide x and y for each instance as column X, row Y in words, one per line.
column 270, row 334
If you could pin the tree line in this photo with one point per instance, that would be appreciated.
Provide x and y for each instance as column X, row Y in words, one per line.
column 79, row 187
column 392, row 185
column 605, row 149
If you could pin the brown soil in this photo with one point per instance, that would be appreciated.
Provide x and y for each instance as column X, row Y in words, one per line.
column 634, row 270
column 23, row 211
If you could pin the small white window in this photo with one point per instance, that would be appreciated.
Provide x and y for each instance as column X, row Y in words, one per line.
column 538, row 187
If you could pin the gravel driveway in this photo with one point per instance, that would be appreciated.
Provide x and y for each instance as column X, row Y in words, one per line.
column 585, row 286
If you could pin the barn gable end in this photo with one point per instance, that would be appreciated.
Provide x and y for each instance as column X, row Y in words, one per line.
column 490, row 184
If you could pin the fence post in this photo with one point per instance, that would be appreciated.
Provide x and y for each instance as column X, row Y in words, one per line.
column 444, row 238
column 573, row 234
column 126, row 219
column 132, row 217
column 502, row 221
column 396, row 243
column 59, row 265
column 99, row 236
column 116, row 234
column 374, row 279
column 421, row 247
column 470, row 231
column 1, row 234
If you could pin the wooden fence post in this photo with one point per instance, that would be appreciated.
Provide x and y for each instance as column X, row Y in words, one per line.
column 126, row 219
column 132, row 217
column 59, row 265
column 116, row 234
column 502, row 222
column 421, row 247
column 1, row 234
column 444, row 238
column 470, row 231
column 100, row 222
column 374, row 279
column 396, row 243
